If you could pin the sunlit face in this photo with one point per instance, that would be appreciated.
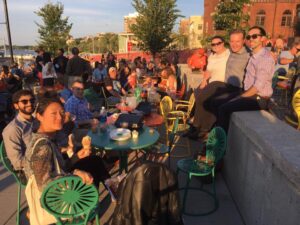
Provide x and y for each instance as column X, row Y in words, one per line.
column 236, row 42
column 52, row 119
column 217, row 45
column 25, row 104
column 77, row 89
column 255, row 39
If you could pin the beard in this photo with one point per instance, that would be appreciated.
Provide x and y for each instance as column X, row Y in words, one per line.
column 27, row 112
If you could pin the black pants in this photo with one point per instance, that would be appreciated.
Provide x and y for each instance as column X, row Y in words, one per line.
column 206, row 108
column 95, row 166
column 239, row 104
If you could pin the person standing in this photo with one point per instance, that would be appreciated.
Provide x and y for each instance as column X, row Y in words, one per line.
column 60, row 64
column 77, row 67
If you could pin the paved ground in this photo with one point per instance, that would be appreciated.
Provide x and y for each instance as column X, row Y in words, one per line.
column 227, row 213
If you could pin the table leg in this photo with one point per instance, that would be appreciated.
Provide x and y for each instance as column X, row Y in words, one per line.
column 123, row 156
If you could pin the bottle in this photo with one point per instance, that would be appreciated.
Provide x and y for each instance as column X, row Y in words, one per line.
column 103, row 119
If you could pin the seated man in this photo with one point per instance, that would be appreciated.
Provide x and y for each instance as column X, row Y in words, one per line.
column 78, row 106
column 257, row 83
column 113, row 87
column 17, row 133
column 286, row 58
column 93, row 97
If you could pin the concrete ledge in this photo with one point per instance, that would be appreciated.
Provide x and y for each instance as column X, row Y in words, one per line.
column 262, row 168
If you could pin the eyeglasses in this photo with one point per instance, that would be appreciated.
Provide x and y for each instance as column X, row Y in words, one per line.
column 26, row 101
column 77, row 89
column 216, row 44
column 253, row 36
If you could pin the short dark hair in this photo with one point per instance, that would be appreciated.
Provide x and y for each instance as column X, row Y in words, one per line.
column 238, row 31
column 17, row 95
column 261, row 30
column 75, row 51
column 45, row 101
column 76, row 81
column 218, row 37
column 62, row 50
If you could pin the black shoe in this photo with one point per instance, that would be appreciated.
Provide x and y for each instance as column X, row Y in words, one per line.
column 189, row 132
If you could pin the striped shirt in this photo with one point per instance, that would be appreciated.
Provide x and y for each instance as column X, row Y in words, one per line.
column 260, row 72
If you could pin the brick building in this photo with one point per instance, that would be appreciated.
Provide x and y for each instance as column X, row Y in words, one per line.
column 278, row 17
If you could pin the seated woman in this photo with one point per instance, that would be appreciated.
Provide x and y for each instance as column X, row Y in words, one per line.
column 45, row 162
column 168, row 84
column 217, row 60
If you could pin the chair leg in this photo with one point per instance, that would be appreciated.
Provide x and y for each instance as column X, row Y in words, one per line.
column 19, row 205
column 185, row 193
column 97, row 219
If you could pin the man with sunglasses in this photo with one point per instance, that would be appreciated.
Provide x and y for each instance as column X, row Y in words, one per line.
column 17, row 133
column 286, row 58
column 257, row 82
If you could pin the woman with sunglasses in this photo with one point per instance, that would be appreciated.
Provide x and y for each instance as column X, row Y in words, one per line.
column 217, row 60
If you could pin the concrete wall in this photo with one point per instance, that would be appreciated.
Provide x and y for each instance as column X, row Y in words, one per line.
column 262, row 169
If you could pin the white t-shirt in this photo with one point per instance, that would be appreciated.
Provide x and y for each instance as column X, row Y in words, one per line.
column 217, row 66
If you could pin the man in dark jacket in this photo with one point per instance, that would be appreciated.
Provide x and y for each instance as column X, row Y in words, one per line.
column 60, row 64
column 77, row 67
column 148, row 196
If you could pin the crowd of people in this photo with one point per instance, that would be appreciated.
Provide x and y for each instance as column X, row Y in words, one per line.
column 52, row 97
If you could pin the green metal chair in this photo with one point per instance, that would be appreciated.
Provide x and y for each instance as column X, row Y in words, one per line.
column 6, row 163
column 163, row 149
column 215, row 150
column 70, row 201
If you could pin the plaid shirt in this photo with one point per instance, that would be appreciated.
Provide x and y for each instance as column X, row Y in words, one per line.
column 260, row 71
column 79, row 108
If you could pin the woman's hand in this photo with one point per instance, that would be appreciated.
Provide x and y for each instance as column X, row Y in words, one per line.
column 85, row 176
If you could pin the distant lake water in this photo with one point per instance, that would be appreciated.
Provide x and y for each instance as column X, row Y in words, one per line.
column 20, row 52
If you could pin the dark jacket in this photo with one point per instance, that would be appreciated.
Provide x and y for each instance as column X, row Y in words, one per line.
column 77, row 66
column 148, row 196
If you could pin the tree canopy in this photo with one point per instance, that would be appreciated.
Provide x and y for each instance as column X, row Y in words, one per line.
column 230, row 15
column 54, row 30
column 154, row 24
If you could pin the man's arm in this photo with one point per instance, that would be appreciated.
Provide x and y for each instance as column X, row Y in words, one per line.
column 284, row 61
column 12, row 138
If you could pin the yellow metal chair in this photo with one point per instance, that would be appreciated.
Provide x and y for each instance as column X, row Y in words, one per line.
column 170, row 115
column 294, row 119
column 186, row 106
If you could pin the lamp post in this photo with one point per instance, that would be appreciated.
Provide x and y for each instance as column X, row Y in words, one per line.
column 8, row 31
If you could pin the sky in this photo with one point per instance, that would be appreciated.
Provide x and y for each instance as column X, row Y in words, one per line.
column 88, row 17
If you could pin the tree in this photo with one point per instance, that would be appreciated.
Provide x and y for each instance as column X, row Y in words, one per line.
column 231, row 14
column 55, row 30
column 154, row 24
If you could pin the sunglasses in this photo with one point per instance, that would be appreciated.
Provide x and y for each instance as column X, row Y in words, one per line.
column 26, row 101
column 216, row 44
column 298, row 50
column 253, row 36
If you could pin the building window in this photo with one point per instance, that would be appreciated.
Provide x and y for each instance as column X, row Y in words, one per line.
column 260, row 18
column 286, row 20
column 199, row 26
